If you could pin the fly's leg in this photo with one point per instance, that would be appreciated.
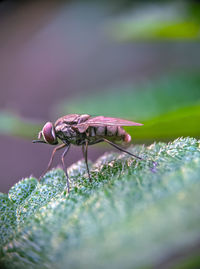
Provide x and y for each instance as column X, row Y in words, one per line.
column 85, row 153
column 121, row 149
column 64, row 166
column 51, row 159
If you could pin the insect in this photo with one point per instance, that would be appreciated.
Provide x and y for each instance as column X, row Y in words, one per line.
column 84, row 130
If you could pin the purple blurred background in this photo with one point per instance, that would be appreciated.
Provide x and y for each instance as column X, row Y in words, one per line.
column 55, row 50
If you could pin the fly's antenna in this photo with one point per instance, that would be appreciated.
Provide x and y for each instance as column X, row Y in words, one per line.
column 39, row 141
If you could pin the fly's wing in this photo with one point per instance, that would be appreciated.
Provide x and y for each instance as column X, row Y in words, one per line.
column 105, row 121
column 101, row 120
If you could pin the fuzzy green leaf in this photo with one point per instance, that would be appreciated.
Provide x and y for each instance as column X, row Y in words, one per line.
column 134, row 214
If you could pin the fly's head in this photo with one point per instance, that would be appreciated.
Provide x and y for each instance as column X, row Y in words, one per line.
column 48, row 134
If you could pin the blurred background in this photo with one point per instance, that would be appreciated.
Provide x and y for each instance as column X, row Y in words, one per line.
column 132, row 59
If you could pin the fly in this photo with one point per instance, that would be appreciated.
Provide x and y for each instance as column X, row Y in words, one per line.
column 84, row 130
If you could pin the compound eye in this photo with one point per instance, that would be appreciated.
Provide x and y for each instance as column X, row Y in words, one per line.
column 49, row 135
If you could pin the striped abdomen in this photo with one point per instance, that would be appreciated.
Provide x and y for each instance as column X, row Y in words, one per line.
column 109, row 132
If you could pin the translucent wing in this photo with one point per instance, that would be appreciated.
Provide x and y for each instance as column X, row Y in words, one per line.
column 105, row 121
column 101, row 120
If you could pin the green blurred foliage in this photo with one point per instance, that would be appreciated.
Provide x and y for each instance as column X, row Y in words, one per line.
column 132, row 215
column 15, row 125
column 168, row 107
column 178, row 20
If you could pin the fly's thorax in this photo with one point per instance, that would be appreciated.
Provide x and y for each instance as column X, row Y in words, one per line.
column 65, row 131
column 72, row 119
column 68, row 134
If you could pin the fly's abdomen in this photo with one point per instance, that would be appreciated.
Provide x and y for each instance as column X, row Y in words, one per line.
column 109, row 132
